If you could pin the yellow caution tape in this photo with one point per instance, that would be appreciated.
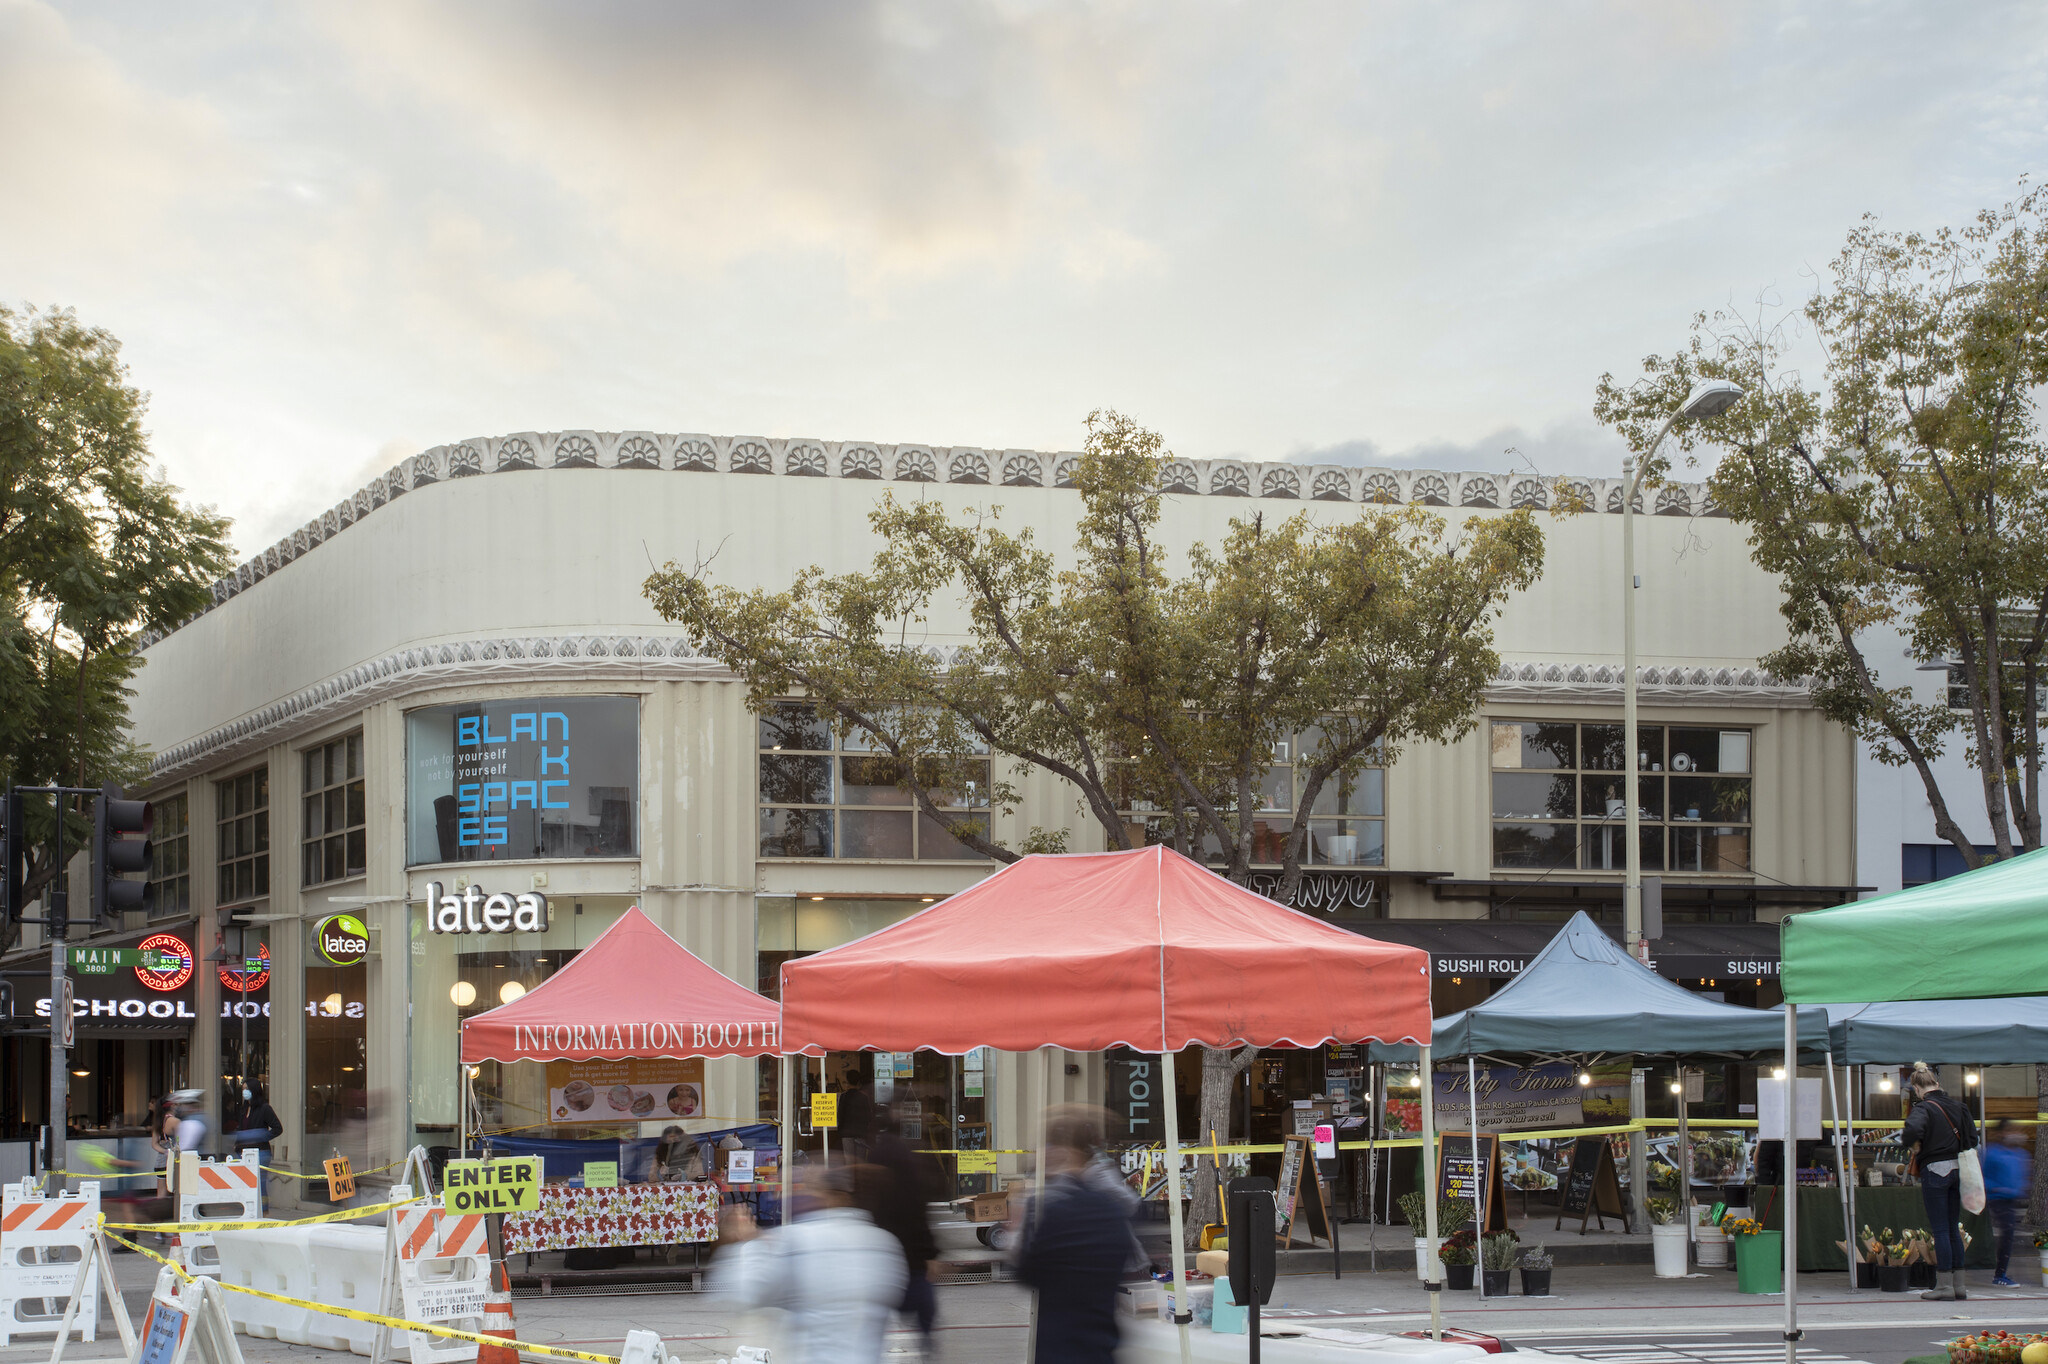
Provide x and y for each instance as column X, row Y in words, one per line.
column 345, row 1215
column 376, row 1319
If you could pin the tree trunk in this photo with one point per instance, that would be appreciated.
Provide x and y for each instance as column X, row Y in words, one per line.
column 1220, row 1072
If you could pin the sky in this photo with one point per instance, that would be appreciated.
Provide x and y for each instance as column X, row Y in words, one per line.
column 329, row 236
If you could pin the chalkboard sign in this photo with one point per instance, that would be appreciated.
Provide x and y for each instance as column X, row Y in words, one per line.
column 1589, row 1187
column 1458, row 1175
column 1301, row 1193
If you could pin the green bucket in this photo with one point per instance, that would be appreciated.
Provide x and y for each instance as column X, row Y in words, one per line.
column 1760, row 1262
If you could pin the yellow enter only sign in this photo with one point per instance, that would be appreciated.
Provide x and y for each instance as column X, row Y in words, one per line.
column 508, row 1184
column 824, row 1110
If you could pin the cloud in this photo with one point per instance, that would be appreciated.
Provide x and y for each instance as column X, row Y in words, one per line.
column 1573, row 446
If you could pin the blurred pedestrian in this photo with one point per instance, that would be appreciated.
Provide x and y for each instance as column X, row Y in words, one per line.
column 1075, row 1245
column 255, row 1126
column 190, row 1107
column 2008, row 1181
column 856, row 1116
column 163, row 1139
column 902, row 1212
column 835, row 1273
column 1942, row 1129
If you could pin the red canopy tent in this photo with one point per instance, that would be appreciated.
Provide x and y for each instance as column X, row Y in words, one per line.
column 1145, row 949
column 635, row 992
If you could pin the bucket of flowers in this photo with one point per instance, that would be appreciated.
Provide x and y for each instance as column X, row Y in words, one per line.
column 1460, row 1254
column 1920, row 1258
column 2041, row 1246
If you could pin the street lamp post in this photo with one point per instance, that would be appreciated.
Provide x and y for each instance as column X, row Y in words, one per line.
column 1708, row 399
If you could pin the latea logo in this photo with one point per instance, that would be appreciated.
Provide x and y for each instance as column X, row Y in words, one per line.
column 343, row 939
column 475, row 911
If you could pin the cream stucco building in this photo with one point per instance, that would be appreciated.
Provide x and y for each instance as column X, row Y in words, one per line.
column 475, row 617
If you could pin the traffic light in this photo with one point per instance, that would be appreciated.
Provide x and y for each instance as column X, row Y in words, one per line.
column 13, row 857
column 120, row 847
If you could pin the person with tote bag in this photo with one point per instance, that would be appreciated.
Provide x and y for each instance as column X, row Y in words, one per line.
column 1946, row 1156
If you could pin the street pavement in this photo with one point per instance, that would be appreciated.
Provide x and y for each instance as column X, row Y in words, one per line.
column 1617, row 1314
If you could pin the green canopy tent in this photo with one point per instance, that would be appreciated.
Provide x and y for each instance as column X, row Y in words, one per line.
column 1981, row 935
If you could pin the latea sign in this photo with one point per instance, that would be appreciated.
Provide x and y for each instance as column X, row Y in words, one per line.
column 474, row 911
column 342, row 939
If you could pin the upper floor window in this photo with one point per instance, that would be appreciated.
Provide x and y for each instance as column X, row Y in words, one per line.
column 1959, row 687
column 332, row 846
column 170, row 857
column 830, row 795
column 242, row 805
column 1558, row 800
column 525, row 777
column 1347, row 824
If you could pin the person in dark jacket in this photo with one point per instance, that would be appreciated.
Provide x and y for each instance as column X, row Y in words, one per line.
column 1074, row 1246
column 255, row 1126
column 901, row 1210
column 1942, row 1130
column 2008, row 1181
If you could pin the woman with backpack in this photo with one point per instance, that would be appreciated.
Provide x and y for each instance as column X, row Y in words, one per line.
column 1943, row 1131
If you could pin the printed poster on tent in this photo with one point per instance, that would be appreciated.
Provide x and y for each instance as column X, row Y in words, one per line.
column 654, row 1090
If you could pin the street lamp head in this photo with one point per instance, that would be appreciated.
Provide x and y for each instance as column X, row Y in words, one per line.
column 1710, row 398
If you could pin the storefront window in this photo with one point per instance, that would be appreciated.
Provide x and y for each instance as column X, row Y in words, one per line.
column 243, row 807
column 337, row 1050
column 826, row 795
column 1558, row 800
column 170, row 858
column 538, row 777
column 1347, row 824
column 333, row 814
column 244, row 974
column 456, row 976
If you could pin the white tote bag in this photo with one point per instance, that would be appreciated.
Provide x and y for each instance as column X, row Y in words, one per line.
column 1972, row 1176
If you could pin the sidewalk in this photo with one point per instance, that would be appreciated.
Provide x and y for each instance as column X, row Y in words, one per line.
column 985, row 1321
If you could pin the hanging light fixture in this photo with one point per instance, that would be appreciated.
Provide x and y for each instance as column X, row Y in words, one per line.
column 510, row 991
column 1585, row 1079
column 462, row 993
column 1777, row 1072
column 1884, row 1082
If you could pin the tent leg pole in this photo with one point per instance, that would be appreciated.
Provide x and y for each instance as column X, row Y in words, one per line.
column 1174, row 1220
column 1842, row 1174
column 1791, row 1177
column 1472, row 1101
column 1038, row 1183
column 1426, row 1269
column 1685, row 1161
column 787, row 1113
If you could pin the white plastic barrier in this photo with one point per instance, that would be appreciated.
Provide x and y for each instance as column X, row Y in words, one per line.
column 444, row 1267
column 215, row 1191
column 42, row 1243
column 349, row 1267
column 274, row 1261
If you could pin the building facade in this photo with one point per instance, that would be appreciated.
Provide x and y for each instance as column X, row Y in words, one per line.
column 450, row 688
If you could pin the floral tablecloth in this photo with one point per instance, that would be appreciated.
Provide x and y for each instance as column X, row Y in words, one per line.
column 630, row 1215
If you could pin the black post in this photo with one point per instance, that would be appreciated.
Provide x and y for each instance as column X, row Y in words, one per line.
column 58, row 911
column 1252, row 1259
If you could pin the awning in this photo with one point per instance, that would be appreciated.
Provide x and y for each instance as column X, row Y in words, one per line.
column 635, row 992
column 1144, row 949
column 1500, row 948
column 1974, row 936
column 1990, row 1032
column 1583, row 995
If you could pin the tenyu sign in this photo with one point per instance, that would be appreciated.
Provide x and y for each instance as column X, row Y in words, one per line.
column 508, row 1184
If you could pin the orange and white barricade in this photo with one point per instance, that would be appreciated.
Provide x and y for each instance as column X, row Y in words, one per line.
column 442, row 1264
column 45, row 1243
column 215, row 1191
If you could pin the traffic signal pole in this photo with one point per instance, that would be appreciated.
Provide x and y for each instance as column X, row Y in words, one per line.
column 62, row 1023
column 113, row 855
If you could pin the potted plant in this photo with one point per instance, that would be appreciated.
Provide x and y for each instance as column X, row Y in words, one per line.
column 1888, row 1253
column 1536, row 1272
column 1759, row 1255
column 1668, row 1238
column 2041, row 1245
column 1460, row 1254
column 1498, row 1253
column 1920, row 1261
column 1450, row 1212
